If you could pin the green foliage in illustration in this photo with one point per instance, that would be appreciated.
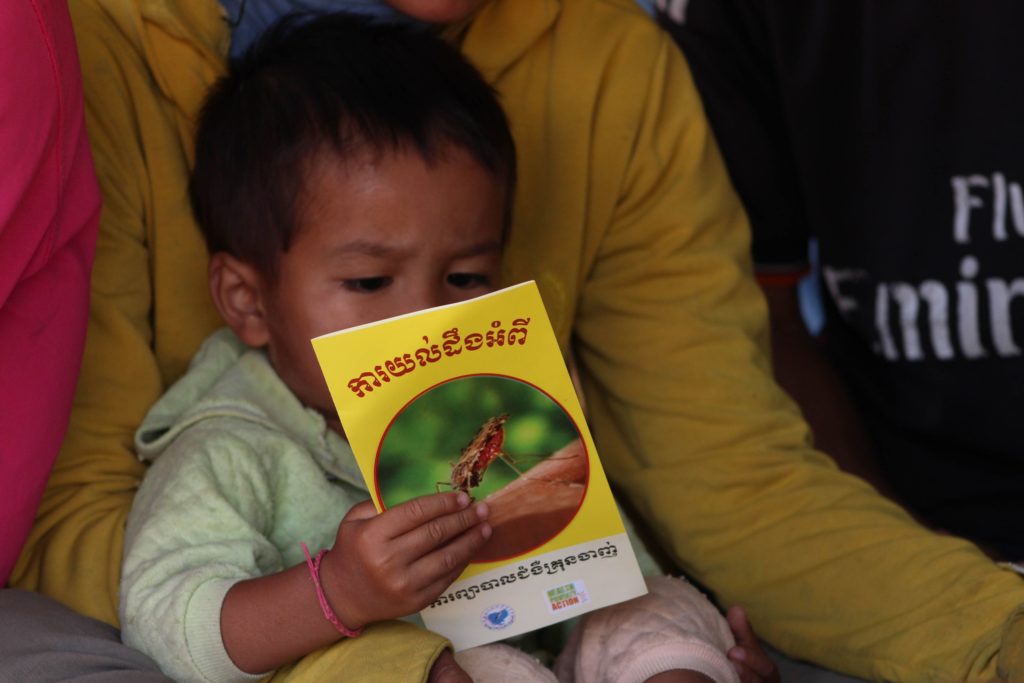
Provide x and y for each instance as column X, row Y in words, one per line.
column 426, row 439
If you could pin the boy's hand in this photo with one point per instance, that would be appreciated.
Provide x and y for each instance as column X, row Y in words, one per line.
column 749, row 659
column 395, row 563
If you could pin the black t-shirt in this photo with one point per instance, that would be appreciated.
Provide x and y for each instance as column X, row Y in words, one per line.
column 893, row 132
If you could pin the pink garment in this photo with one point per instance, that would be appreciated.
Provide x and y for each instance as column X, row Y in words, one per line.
column 672, row 627
column 49, row 210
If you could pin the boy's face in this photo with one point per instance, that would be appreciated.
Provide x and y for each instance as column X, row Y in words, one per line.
column 379, row 236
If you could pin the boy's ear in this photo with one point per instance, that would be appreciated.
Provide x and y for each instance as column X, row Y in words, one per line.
column 238, row 292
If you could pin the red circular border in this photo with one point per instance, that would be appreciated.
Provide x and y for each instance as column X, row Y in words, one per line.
column 586, row 452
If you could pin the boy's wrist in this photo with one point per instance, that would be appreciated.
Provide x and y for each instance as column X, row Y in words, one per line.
column 337, row 591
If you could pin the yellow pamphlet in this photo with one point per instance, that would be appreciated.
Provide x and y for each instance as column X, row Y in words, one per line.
column 476, row 396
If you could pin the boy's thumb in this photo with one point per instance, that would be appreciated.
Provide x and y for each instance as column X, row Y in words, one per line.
column 360, row 511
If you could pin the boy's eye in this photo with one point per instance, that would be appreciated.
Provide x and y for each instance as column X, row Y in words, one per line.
column 468, row 280
column 366, row 284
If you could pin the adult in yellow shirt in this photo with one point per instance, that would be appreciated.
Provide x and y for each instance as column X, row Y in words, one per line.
column 627, row 220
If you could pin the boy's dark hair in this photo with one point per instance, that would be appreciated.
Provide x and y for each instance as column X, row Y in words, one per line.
column 337, row 83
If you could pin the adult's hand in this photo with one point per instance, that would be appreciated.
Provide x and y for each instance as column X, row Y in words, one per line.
column 749, row 659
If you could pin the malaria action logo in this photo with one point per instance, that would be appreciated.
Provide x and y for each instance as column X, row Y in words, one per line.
column 498, row 617
column 564, row 597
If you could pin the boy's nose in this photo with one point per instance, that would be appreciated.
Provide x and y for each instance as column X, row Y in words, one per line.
column 429, row 297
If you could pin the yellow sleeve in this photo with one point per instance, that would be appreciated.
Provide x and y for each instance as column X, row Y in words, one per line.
column 387, row 652
column 671, row 337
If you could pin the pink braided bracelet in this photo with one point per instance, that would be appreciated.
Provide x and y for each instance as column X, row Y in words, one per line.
column 329, row 615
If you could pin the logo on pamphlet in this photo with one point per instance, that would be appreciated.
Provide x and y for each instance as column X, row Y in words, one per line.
column 498, row 617
column 568, row 596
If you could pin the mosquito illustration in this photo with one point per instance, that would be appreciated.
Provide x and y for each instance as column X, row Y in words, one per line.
column 479, row 453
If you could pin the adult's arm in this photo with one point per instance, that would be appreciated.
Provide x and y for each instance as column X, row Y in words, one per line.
column 805, row 373
column 671, row 337
column 49, row 209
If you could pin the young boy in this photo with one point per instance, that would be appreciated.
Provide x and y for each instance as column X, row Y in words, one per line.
column 345, row 172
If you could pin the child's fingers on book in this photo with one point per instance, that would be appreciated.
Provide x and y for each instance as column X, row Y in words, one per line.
column 434, row 590
column 444, row 564
column 416, row 512
column 360, row 511
column 437, row 532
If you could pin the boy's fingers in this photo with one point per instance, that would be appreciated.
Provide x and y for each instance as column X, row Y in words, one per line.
column 438, row 532
column 443, row 565
column 434, row 590
column 361, row 511
column 416, row 512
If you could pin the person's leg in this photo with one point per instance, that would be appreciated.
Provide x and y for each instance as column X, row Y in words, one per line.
column 673, row 628
column 42, row 641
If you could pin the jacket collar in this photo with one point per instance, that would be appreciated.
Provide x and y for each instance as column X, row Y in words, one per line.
column 228, row 380
column 502, row 31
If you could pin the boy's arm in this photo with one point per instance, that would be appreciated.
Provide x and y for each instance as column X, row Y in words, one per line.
column 671, row 334
column 200, row 526
column 382, row 566
column 208, row 595
column 190, row 537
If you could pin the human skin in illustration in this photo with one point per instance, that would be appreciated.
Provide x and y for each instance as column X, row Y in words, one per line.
column 537, row 505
